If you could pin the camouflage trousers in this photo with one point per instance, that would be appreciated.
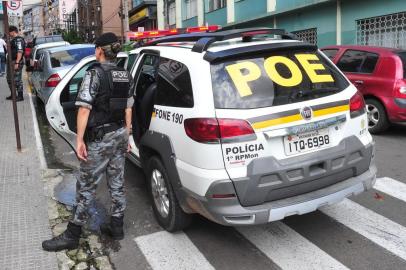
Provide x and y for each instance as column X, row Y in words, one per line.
column 17, row 78
column 103, row 157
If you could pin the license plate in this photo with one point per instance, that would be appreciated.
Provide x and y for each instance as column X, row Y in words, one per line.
column 307, row 141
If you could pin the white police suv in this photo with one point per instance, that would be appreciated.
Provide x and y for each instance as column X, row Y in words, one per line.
column 241, row 126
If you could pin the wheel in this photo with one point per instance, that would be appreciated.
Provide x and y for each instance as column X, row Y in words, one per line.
column 377, row 117
column 166, row 207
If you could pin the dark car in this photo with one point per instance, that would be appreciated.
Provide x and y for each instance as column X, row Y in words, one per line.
column 380, row 74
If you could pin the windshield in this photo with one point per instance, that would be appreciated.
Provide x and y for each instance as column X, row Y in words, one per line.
column 402, row 56
column 274, row 79
column 69, row 57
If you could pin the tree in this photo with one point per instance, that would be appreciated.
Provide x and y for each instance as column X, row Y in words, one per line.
column 72, row 36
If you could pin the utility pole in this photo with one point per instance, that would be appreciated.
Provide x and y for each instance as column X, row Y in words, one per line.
column 122, row 21
column 11, row 70
column 126, row 21
column 87, row 21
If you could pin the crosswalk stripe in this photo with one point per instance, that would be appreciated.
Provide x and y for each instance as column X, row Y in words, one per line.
column 380, row 230
column 391, row 187
column 169, row 251
column 287, row 248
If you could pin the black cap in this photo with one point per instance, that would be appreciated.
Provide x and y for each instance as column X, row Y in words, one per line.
column 106, row 39
column 13, row 28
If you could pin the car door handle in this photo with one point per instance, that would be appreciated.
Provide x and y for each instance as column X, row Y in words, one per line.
column 359, row 82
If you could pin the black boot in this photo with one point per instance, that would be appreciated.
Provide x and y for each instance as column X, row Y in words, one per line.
column 9, row 97
column 69, row 239
column 114, row 229
column 20, row 97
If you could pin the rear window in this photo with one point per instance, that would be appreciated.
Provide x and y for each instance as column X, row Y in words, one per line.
column 358, row 62
column 402, row 56
column 69, row 57
column 330, row 53
column 274, row 79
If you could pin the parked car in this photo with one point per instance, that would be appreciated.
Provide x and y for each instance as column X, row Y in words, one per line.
column 38, row 48
column 53, row 64
column 47, row 39
column 380, row 74
column 239, row 128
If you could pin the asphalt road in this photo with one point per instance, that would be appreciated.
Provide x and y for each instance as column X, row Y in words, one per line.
column 363, row 232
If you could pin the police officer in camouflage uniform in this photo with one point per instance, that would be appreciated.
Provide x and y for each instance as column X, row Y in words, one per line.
column 16, row 56
column 105, row 101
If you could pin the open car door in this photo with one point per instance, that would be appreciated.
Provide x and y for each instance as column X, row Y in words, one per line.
column 60, row 108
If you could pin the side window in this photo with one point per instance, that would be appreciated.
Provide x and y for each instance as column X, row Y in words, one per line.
column 131, row 61
column 71, row 90
column 369, row 63
column 174, row 84
column 146, row 74
column 42, row 60
column 358, row 62
column 330, row 53
column 121, row 61
column 38, row 54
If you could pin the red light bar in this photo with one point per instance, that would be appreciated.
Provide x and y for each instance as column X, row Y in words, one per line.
column 152, row 34
column 254, row 33
column 197, row 29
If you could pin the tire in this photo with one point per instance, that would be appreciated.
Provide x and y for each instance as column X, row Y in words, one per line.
column 377, row 116
column 169, row 215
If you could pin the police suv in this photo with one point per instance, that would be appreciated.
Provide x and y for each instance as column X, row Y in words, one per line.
column 241, row 126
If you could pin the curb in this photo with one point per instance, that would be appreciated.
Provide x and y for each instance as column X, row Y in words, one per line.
column 38, row 141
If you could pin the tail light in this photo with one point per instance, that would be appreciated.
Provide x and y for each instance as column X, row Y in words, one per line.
column 212, row 130
column 53, row 80
column 400, row 89
column 357, row 105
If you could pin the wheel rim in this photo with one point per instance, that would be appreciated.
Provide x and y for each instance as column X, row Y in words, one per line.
column 373, row 115
column 160, row 193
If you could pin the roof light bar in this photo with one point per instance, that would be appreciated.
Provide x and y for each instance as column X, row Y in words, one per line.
column 209, row 28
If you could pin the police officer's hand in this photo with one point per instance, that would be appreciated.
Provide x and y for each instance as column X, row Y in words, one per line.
column 129, row 148
column 81, row 150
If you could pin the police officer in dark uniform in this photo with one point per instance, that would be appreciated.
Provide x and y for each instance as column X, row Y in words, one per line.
column 16, row 57
column 105, row 102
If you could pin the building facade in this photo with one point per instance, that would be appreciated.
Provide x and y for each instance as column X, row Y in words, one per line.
column 27, row 23
column 143, row 15
column 1, row 20
column 323, row 22
column 99, row 16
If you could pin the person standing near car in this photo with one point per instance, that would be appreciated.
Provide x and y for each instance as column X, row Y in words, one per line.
column 105, row 101
column 3, row 50
column 17, row 45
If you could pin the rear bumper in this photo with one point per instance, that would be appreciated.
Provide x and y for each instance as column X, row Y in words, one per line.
column 44, row 93
column 230, row 212
column 396, row 109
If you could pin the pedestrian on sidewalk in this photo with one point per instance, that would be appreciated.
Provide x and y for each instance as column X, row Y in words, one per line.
column 16, row 56
column 3, row 51
column 105, row 101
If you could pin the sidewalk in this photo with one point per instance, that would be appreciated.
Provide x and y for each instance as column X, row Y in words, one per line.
column 24, row 220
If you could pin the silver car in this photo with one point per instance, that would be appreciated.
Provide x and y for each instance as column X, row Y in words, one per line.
column 53, row 64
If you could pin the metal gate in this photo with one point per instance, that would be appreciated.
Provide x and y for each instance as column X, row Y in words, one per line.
column 386, row 31
column 308, row 35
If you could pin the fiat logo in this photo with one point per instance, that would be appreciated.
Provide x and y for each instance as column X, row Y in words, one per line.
column 306, row 113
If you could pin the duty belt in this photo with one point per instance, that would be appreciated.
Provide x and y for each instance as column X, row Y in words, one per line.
column 96, row 134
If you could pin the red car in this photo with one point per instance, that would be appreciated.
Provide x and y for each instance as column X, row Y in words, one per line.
column 380, row 74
